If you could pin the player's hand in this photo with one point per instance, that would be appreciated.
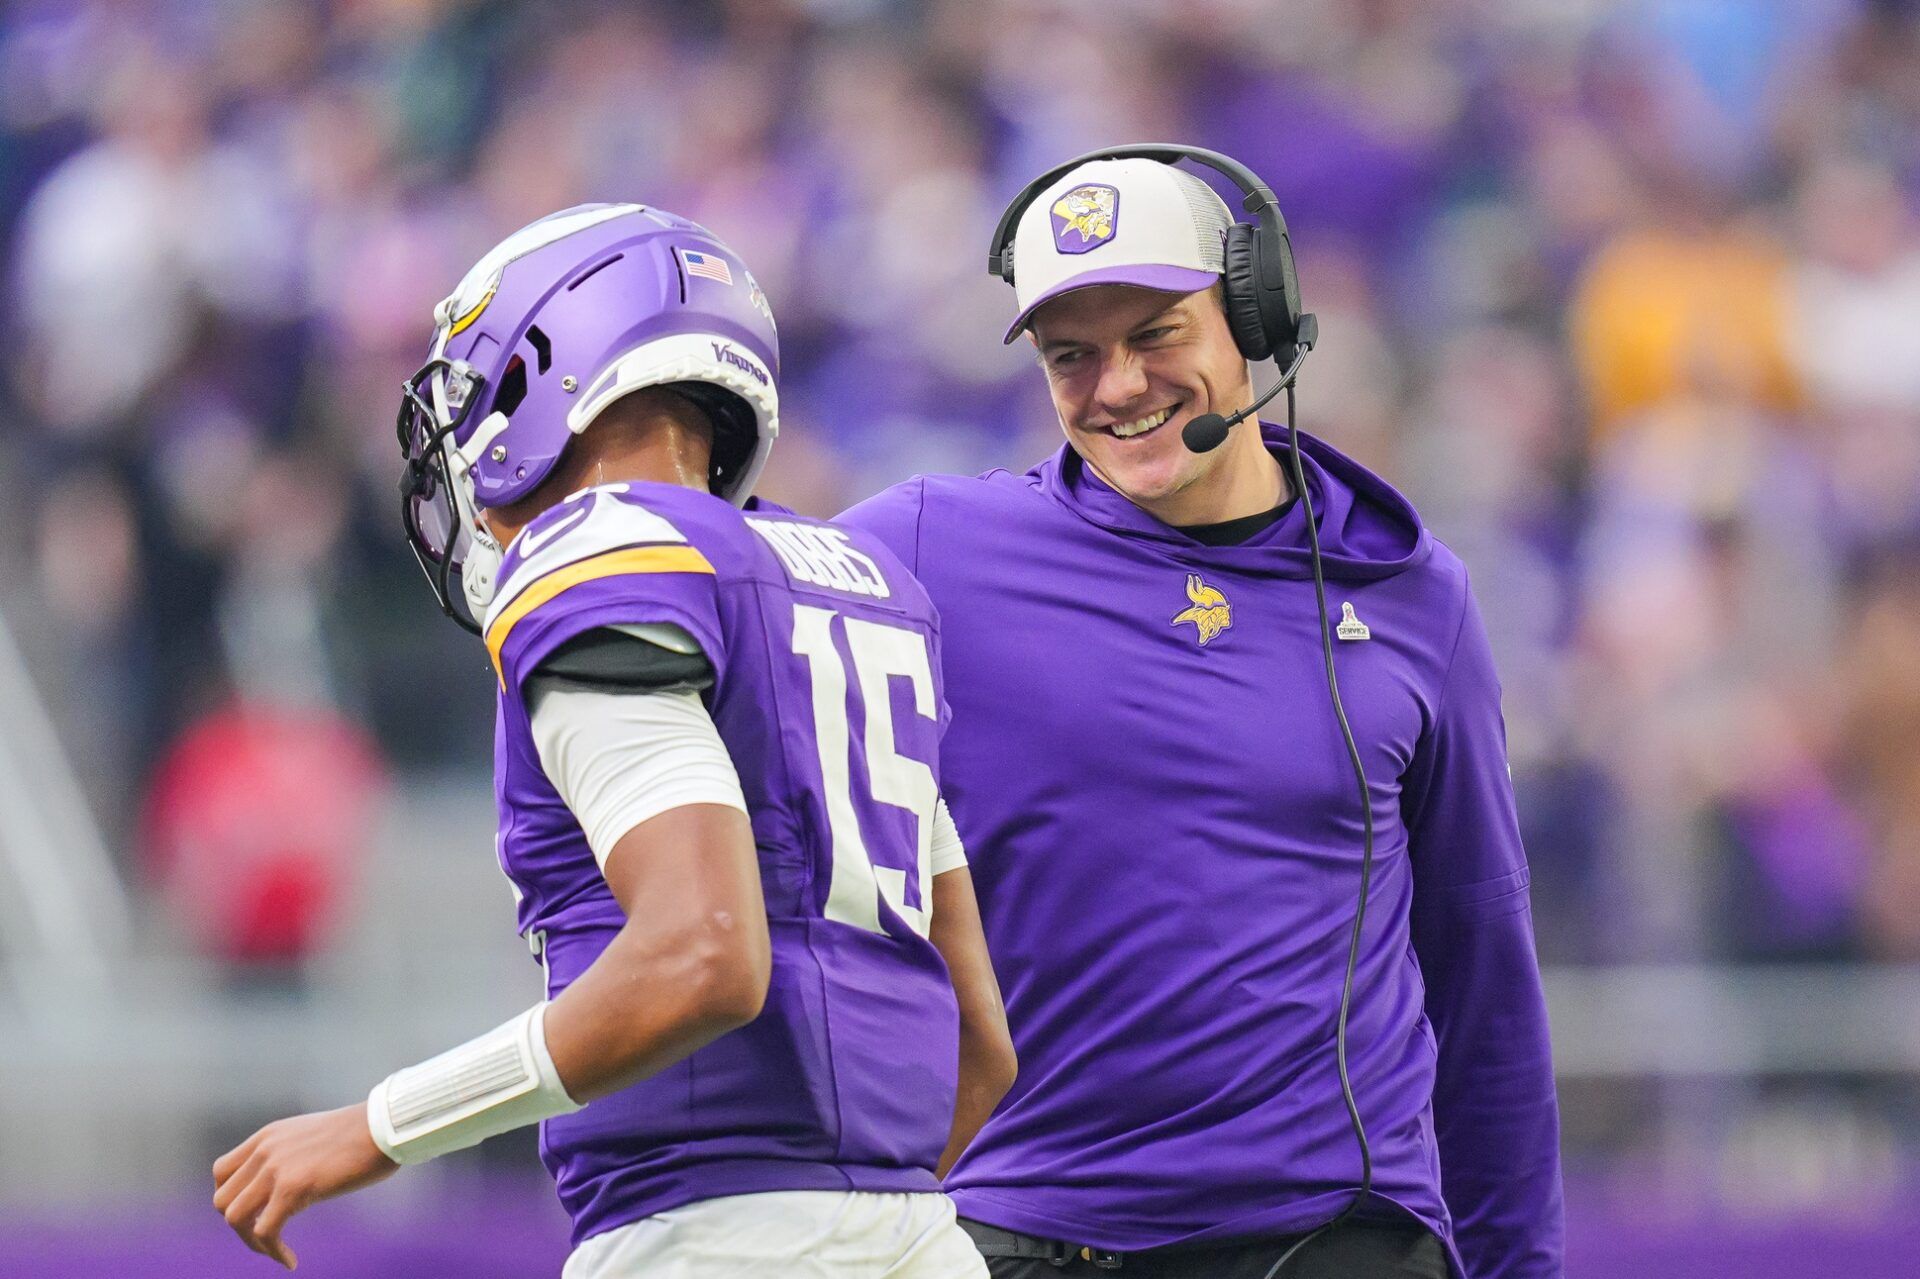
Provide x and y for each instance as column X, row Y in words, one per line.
column 290, row 1165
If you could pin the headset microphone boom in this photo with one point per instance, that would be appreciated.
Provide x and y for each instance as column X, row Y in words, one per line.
column 1208, row 432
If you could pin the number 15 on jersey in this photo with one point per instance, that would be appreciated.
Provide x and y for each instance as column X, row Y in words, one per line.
column 878, row 652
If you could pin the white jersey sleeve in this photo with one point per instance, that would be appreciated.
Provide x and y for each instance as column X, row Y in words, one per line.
column 618, row 759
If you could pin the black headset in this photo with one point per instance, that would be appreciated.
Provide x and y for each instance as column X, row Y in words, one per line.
column 1262, row 287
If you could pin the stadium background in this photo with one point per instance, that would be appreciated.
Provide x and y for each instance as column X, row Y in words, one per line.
column 1626, row 295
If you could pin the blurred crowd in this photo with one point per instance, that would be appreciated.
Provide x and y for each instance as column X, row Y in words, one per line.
column 1624, row 293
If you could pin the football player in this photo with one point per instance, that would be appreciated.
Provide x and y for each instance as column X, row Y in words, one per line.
column 770, row 1018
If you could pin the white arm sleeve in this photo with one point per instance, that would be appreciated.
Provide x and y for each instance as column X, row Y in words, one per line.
column 619, row 758
column 948, row 852
column 503, row 1080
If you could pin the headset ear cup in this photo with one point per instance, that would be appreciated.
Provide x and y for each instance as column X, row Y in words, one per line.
column 1242, row 277
column 1283, row 314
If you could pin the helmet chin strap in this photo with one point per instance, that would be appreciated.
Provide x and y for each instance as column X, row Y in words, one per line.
column 479, row 570
column 480, row 566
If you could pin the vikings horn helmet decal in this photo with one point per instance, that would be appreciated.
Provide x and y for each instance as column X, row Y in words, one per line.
column 555, row 323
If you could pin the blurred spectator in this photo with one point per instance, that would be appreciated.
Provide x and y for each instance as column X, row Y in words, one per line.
column 127, row 245
column 1691, row 306
column 1881, row 747
column 1857, row 290
column 255, row 826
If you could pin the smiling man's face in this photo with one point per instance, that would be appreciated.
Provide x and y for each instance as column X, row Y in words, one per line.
column 1128, row 368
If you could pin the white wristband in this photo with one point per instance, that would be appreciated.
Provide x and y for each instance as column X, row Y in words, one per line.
column 503, row 1080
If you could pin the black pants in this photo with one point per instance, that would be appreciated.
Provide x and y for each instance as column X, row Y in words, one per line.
column 1357, row 1250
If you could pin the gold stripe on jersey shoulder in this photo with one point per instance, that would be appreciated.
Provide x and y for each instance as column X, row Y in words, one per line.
column 633, row 559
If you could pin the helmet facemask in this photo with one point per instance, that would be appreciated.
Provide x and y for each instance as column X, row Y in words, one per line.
column 437, row 503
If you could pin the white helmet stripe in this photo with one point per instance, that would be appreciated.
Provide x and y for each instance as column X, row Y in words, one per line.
column 461, row 307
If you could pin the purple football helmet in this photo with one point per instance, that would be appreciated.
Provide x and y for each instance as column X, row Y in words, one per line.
column 555, row 323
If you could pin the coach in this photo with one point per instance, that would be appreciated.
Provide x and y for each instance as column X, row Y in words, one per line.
column 1164, row 815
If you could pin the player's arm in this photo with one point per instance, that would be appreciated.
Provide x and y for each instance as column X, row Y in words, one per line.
column 638, row 761
column 690, row 964
column 687, row 969
column 621, row 732
column 1495, row 1114
column 987, row 1061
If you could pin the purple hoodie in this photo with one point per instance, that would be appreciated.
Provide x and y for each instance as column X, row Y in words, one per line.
column 1166, row 842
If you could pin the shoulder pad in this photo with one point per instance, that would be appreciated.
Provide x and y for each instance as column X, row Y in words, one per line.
column 588, row 523
column 595, row 534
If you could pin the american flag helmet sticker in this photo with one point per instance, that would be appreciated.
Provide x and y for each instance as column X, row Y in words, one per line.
column 707, row 265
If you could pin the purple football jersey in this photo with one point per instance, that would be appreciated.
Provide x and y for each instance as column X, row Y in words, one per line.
column 1165, row 838
column 827, row 696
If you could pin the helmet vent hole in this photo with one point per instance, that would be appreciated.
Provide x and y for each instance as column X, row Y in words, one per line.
column 594, row 270
column 542, row 348
column 513, row 387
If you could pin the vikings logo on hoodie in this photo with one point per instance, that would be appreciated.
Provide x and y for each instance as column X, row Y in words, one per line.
column 1210, row 613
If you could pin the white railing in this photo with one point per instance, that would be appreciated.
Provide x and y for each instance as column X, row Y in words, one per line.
column 1675, row 1021
column 68, row 915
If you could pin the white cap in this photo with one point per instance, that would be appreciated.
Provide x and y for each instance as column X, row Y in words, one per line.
column 1136, row 222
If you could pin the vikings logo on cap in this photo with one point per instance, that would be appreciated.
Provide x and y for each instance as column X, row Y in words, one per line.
column 1210, row 614
column 1085, row 217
